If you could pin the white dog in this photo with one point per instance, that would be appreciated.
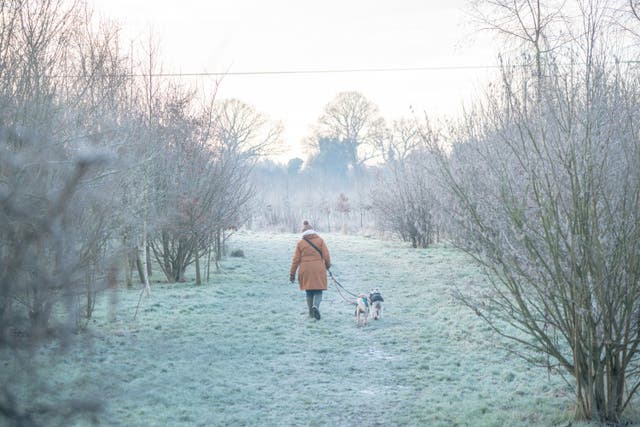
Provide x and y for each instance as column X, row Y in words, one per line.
column 362, row 310
column 375, row 301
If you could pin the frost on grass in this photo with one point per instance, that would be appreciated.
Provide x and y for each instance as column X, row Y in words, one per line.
column 241, row 351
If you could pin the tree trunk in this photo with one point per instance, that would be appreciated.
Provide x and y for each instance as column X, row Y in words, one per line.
column 148, row 254
column 127, row 269
column 218, row 251
column 40, row 312
column 91, row 300
column 208, row 263
column 142, row 263
column 140, row 267
column 198, row 278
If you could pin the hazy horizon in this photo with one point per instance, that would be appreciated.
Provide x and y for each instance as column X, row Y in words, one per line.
column 288, row 60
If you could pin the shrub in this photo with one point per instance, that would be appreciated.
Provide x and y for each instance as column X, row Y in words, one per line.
column 237, row 253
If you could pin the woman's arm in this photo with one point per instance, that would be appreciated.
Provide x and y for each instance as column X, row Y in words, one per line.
column 325, row 255
column 295, row 262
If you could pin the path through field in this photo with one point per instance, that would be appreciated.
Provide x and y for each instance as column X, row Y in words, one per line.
column 241, row 350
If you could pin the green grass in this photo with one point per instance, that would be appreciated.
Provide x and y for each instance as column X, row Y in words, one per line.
column 241, row 351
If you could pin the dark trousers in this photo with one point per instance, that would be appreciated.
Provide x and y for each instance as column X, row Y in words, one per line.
column 313, row 298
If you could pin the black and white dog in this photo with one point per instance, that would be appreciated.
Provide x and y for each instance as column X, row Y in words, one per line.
column 375, row 301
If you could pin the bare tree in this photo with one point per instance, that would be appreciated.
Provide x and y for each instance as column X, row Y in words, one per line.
column 628, row 12
column 242, row 129
column 59, row 101
column 173, row 169
column 531, row 25
column 354, row 121
column 547, row 194
column 59, row 85
column 405, row 138
column 405, row 200
column 201, row 188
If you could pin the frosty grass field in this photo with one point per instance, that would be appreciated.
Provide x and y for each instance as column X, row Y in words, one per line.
column 241, row 351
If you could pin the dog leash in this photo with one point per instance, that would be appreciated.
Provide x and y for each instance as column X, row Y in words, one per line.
column 339, row 285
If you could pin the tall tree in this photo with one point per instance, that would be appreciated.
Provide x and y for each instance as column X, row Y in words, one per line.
column 354, row 121
column 331, row 161
column 534, row 27
column 242, row 129
column 405, row 138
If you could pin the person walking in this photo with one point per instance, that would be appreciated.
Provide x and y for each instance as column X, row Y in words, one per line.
column 311, row 260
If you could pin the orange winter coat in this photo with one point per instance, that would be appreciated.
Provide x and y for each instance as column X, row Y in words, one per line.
column 312, row 273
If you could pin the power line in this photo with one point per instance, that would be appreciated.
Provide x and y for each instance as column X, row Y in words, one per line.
column 298, row 72
column 324, row 71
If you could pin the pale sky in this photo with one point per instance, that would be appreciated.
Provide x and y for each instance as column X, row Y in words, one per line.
column 274, row 35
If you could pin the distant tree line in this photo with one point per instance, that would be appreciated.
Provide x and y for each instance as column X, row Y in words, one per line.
column 363, row 174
